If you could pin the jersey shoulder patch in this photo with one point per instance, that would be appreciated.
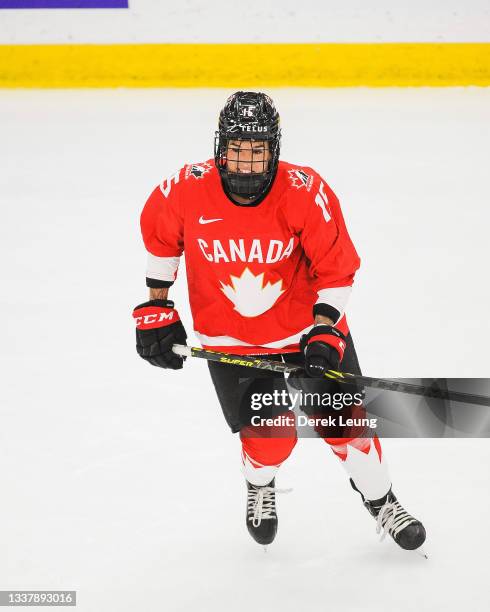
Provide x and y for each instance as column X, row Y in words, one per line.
column 198, row 171
column 298, row 177
column 188, row 173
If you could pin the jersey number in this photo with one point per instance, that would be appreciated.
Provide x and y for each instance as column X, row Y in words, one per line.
column 166, row 185
column 321, row 200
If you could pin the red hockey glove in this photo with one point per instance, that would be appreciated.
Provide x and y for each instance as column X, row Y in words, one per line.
column 158, row 327
column 323, row 347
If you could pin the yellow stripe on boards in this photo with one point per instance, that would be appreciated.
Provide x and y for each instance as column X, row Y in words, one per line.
column 246, row 65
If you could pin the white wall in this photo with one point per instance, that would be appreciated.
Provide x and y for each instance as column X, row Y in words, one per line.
column 255, row 21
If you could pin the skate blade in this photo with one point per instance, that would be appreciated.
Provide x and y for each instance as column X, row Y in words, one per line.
column 421, row 552
column 265, row 548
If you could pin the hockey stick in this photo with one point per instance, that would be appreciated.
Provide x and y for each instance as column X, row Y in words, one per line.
column 341, row 377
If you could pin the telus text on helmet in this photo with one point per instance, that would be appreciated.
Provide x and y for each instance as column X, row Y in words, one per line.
column 248, row 128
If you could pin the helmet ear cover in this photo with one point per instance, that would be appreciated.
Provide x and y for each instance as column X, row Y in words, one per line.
column 248, row 116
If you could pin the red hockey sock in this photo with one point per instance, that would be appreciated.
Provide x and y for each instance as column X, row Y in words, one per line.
column 262, row 454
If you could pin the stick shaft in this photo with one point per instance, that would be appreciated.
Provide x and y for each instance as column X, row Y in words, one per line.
column 260, row 363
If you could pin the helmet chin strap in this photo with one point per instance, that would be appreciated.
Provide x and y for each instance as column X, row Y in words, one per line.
column 244, row 196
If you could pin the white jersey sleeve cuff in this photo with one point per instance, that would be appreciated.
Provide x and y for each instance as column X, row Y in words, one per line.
column 336, row 298
column 162, row 268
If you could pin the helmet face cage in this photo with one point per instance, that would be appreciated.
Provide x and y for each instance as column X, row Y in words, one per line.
column 247, row 145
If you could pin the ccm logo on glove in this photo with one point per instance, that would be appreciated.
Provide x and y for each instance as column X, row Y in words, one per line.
column 151, row 317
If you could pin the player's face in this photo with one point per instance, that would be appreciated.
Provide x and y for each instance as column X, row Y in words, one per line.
column 248, row 156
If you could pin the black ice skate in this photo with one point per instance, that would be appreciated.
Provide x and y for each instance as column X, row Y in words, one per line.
column 261, row 511
column 392, row 518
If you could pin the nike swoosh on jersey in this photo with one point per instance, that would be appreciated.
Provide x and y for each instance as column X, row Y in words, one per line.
column 203, row 221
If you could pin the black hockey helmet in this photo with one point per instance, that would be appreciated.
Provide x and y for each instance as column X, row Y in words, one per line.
column 250, row 116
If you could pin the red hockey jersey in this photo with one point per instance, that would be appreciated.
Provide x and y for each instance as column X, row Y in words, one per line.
column 254, row 272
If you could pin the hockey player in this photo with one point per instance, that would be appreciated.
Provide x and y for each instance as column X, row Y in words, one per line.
column 270, row 267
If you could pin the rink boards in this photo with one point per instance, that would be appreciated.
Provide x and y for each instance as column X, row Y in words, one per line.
column 245, row 65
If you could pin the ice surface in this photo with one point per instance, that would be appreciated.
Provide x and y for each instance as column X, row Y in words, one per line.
column 121, row 480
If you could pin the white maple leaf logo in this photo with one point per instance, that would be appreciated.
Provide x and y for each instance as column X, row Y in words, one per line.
column 250, row 295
